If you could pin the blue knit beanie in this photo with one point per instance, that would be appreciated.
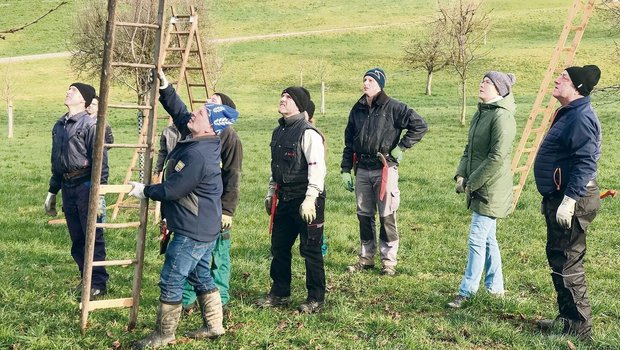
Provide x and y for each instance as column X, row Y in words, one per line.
column 378, row 75
column 221, row 116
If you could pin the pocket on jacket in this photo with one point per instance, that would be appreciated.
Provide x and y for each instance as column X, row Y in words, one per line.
column 190, row 202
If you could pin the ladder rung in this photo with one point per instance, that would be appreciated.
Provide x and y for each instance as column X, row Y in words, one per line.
column 129, row 106
column 137, row 169
column 140, row 25
column 182, row 16
column 103, row 189
column 527, row 150
column 125, row 262
column 197, row 85
column 133, row 65
column 567, row 49
column 136, row 206
column 194, row 68
column 520, row 169
column 118, row 224
column 128, row 145
column 107, row 304
column 198, row 101
column 180, row 49
column 576, row 28
column 179, row 32
column 536, row 130
column 171, row 66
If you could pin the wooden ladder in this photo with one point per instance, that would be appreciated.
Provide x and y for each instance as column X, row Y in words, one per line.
column 145, row 145
column 543, row 109
column 182, row 37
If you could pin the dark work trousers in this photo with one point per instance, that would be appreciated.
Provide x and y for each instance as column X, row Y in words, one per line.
column 566, row 249
column 75, row 207
column 286, row 226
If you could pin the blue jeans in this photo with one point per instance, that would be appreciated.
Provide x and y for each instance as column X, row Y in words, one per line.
column 483, row 254
column 186, row 260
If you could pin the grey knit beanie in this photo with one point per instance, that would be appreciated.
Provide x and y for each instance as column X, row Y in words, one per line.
column 503, row 81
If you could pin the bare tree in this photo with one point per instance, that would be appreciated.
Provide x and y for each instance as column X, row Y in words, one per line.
column 7, row 95
column 322, row 70
column 466, row 25
column 430, row 53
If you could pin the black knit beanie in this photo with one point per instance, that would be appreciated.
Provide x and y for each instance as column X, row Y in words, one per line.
column 300, row 96
column 584, row 78
column 87, row 91
column 310, row 109
column 378, row 75
column 226, row 100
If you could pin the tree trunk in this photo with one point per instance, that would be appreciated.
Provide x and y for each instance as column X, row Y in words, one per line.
column 463, row 101
column 322, row 97
column 429, row 81
column 10, row 111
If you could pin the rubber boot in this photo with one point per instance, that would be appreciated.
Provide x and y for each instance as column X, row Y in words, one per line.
column 212, row 316
column 167, row 320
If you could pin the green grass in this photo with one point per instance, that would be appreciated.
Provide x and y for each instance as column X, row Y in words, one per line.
column 364, row 311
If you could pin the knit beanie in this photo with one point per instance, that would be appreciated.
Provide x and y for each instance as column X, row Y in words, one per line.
column 378, row 75
column 226, row 100
column 584, row 78
column 87, row 91
column 503, row 81
column 300, row 96
column 221, row 116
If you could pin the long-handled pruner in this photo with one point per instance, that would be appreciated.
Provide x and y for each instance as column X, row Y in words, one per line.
column 274, row 201
column 384, row 175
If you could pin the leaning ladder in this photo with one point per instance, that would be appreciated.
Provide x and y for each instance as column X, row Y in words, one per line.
column 138, row 261
column 182, row 37
column 541, row 115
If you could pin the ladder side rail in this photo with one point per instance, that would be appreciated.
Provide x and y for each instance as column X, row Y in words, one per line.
column 89, row 248
column 201, row 58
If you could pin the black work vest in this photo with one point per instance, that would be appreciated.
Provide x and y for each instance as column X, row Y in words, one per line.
column 289, row 166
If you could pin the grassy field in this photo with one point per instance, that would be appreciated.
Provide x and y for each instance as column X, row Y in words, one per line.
column 364, row 311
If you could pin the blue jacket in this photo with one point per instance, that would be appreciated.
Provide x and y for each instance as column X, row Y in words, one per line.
column 568, row 156
column 73, row 142
column 191, row 189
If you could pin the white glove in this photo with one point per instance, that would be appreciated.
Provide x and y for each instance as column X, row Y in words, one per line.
column 137, row 190
column 564, row 215
column 50, row 204
column 163, row 82
column 460, row 184
column 226, row 222
column 307, row 209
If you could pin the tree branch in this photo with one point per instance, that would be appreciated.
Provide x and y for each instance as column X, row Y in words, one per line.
column 13, row 30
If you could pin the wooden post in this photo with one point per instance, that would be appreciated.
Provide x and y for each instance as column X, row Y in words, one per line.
column 10, row 111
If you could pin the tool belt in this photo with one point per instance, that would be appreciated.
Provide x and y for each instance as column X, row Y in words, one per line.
column 76, row 174
column 371, row 161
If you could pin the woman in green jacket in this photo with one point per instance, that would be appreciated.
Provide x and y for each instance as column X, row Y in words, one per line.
column 485, row 177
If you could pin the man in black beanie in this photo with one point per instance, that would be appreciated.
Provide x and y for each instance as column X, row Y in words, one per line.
column 565, row 171
column 297, row 187
column 73, row 143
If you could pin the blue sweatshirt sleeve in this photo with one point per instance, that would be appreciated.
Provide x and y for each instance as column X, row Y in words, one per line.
column 180, row 183
column 583, row 140
column 172, row 103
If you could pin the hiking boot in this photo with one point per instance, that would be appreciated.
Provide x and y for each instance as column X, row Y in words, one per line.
column 97, row 293
column 556, row 325
column 358, row 266
column 458, row 302
column 310, row 306
column 272, row 301
column 388, row 270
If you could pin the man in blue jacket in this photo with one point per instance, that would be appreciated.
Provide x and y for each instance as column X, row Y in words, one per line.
column 565, row 172
column 73, row 142
column 190, row 194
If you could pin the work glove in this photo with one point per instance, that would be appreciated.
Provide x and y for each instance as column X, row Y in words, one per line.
column 101, row 207
column 307, row 209
column 460, row 184
column 397, row 153
column 226, row 221
column 564, row 215
column 347, row 181
column 137, row 190
column 163, row 82
column 269, row 198
column 50, row 204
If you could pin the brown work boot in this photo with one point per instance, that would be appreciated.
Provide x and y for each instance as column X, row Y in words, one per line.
column 388, row 270
column 212, row 316
column 359, row 266
column 310, row 306
column 166, row 325
column 458, row 302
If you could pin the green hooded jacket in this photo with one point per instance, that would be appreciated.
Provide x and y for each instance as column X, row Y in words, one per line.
column 486, row 160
